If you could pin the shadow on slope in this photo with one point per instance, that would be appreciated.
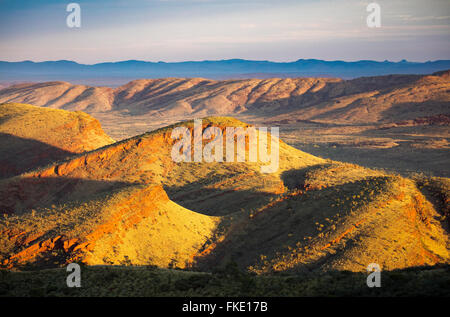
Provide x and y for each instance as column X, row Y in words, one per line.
column 19, row 155
column 203, row 197
column 284, row 223
column 412, row 110
column 21, row 194
column 327, row 221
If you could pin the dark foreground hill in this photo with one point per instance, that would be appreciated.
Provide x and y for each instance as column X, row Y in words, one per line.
column 227, row 281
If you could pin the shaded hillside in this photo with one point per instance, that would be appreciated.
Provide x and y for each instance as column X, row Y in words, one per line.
column 32, row 136
column 363, row 100
column 379, row 99
column 130, row 203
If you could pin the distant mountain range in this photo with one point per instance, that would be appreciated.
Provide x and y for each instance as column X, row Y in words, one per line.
column 118, row 73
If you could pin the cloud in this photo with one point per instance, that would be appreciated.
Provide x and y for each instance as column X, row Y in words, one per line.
column 247, row 26
column 411, row 18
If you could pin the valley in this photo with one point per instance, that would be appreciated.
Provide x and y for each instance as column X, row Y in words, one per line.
column 87, row 176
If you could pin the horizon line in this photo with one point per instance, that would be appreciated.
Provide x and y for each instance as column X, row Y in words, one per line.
column 225, row 60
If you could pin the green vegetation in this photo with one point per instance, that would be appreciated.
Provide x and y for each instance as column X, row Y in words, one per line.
column 228, row 281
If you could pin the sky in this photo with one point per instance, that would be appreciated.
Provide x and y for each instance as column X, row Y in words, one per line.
column 182, row 30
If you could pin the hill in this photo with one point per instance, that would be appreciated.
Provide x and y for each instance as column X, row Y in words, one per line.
column 32, row 136
column 378, row 100
column 129, row 203
column 382, row 99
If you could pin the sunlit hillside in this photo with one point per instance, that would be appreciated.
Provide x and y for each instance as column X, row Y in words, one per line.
column 130, row 203
column 32, row 136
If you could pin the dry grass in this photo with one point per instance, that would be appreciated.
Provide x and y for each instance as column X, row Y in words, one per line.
column 312, row 214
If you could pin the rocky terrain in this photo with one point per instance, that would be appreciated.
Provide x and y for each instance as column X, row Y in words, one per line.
column 129, row 203
column 398, row 122
column 359, row 101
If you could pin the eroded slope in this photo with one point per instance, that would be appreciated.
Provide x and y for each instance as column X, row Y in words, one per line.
column 362, row 100
column 130, row 203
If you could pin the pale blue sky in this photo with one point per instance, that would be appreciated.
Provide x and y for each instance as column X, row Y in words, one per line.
column 179, row 30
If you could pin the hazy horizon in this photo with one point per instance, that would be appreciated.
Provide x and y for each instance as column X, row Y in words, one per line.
column 198, row 30
column 220, row 60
